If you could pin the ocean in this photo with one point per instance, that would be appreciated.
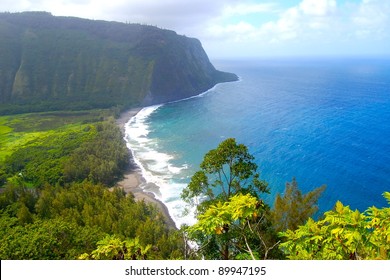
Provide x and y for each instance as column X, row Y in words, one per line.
column 322, row 121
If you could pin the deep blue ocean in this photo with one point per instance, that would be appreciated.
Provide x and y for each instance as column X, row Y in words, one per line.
column 322, row 121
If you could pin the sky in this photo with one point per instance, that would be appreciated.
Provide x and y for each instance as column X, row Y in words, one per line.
column 246, row 28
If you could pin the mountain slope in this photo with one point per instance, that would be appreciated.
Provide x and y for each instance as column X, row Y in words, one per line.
column 50, row 63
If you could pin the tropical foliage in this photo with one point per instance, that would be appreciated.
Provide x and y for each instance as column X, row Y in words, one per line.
column 342, row 234
column 113, row 248
column 238, row 224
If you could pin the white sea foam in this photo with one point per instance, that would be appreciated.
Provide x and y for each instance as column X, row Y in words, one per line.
column 176, row 169
column 137, row 127
column 156, row 166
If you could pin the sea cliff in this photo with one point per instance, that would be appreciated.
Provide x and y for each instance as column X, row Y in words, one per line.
column 51, row 63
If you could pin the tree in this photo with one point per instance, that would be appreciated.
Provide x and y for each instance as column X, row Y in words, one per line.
column 342, row 234
column 294, row 208
column 24, row 214
column 224, row 171
column 222, row 190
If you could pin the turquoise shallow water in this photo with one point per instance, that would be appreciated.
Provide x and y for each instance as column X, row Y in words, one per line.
column 322, row 121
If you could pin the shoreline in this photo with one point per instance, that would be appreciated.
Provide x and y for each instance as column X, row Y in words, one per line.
column 133, row 180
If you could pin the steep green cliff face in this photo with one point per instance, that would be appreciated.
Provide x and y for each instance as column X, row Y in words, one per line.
column 50, row 63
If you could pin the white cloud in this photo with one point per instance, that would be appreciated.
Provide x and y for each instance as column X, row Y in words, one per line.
column 372, row 18
column 321, row 26
column 293, row 23
column 309, row 19
column 286, row 28
column 249, row 8
column 318, row 7
column 242, row 31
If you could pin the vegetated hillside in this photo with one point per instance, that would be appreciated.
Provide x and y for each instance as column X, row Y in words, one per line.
column 50, row 63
